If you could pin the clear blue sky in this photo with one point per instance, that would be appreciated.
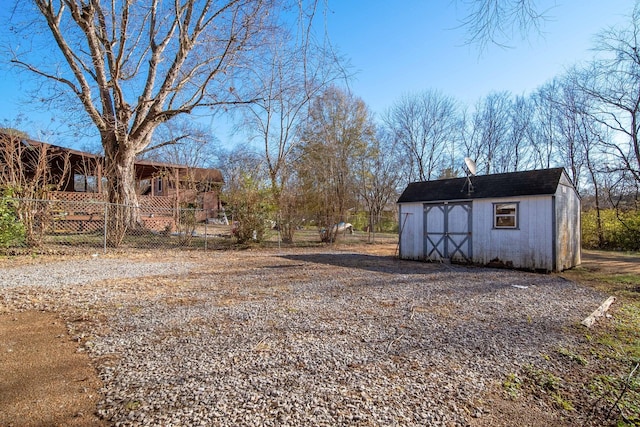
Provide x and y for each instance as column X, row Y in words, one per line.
column 415, row 45
column 412, row 45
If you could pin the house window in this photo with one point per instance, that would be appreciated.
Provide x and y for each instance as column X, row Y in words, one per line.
column 85, row 183
column 92, row 184
column 79, row 183
column 505, row 215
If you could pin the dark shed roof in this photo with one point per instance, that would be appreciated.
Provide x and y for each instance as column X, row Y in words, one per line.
column 528, row 183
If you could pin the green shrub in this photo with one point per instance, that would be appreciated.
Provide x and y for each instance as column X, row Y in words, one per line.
column 250, row 207
column 388, row 223
column 619, row 231
column 12, row 231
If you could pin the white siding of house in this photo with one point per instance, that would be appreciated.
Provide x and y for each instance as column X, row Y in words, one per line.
column 412, row 231
column 529, row 246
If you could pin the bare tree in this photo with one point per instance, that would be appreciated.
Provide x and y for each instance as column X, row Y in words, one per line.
column 182, row 142
column 133, row 65
column 488, row 133
column 591, row 139
column 335, row 136
column 499, row 134
column 500, row 21
column 28, row 171
column 294, row 70
column 518, row 150
column 424, row 124
column 377, row 177
column 578, row 140
column 613, row 81
column 546, row 113
column 572, row 133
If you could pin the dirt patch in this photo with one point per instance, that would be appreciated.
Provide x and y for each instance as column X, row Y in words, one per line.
column 44, row 381
column 613, row 262
column 508, row 413
column 612, row 273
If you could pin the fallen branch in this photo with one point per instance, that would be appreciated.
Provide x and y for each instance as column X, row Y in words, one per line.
column 591, row 319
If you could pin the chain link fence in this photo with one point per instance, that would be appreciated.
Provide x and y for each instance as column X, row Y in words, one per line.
column 87, row 225
column 62, row 223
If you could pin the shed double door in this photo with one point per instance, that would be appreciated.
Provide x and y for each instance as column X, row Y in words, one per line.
column 447, row 231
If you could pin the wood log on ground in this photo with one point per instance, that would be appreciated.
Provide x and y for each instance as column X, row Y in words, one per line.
column 591, row 319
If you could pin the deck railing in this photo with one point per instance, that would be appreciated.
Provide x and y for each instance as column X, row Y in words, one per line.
column 146, row 202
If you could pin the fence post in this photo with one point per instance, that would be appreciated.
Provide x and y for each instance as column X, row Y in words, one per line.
column 206, row 220
column 104, row 234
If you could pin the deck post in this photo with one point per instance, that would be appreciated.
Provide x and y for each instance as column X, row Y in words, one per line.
column 176, row 178
column 104, row 235
column 99, row 176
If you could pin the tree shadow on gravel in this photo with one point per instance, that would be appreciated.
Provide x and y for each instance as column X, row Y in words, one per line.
column 380, row 264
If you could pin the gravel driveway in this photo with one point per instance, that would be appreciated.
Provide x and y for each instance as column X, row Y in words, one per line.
column 303, row 337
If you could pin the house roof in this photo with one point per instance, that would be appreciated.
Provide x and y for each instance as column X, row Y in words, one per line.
column 143, row 168
column 147, row 168
column 512, row 184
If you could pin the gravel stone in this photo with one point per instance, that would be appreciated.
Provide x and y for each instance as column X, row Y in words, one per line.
column 76, row 272
column 306, row 337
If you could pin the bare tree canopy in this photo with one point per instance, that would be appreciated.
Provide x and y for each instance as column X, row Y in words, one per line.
column 377, row 176
column 336, row 135
column 500, row 21
column 612, row 80
column 425, row 125
column 288, row 78
column 133, row 65
column 183, row 142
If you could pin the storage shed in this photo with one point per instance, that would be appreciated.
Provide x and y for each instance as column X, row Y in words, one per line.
column 528, row 220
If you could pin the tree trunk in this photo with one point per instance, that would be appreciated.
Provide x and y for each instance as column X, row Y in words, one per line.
column 594, row 180
column 124, row 209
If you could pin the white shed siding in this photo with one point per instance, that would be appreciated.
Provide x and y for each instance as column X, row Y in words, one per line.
column 411, row 231
column 568, row 244
column 547, row 236
column 529, row 246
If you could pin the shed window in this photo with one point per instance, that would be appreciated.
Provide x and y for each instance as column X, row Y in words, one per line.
column 505, row 215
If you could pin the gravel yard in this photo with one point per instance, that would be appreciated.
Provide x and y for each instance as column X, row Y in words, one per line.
column 306, row 337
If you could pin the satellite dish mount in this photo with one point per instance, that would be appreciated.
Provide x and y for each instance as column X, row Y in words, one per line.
column 470, row 171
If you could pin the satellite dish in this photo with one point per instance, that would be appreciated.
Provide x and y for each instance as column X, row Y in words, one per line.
column 471, row 165
column 471, row 168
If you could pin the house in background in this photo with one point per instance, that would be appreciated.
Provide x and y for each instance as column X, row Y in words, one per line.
column 79, row 177
column 526, row 220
